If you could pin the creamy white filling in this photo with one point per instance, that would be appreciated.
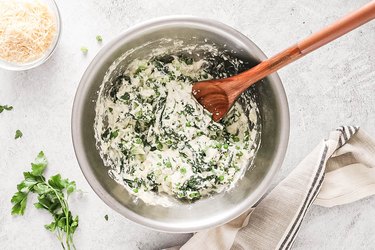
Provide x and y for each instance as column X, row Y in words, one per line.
column 161, row 144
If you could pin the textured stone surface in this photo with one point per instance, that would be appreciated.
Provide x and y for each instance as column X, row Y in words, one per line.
column 331, row 87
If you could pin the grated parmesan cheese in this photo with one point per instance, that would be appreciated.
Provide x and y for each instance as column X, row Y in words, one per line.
column 27, row 30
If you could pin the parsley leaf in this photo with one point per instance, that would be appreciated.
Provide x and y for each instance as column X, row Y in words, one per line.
column 99, row 38
column 18, row 134
column 84, row 50
column 57, row 182
column 51, row 197
column 19, row 200
column 39, row 164
column 5, row 107
column 106, row 217
column 71, row 187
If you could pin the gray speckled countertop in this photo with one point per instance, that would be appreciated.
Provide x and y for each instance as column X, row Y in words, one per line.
column 329, row 88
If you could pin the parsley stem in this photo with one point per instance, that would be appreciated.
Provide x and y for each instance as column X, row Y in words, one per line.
column 59, row 237
column 65, row 209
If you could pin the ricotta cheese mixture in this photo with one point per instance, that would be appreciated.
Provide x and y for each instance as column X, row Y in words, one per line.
column 158, row 140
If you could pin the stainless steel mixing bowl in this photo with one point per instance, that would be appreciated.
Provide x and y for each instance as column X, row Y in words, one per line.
column 208, row 212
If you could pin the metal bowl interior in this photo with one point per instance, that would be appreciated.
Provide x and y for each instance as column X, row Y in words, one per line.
column 208, row 212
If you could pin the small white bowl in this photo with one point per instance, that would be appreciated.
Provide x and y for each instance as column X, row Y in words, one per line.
column 32, row 64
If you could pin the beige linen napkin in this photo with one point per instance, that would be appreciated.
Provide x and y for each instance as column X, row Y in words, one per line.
column 339, row 170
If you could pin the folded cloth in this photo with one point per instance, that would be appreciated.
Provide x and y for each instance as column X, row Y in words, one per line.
column 339, row 170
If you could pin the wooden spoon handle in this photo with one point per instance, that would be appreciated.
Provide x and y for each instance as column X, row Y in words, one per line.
column 337, row 29
column 309, row 44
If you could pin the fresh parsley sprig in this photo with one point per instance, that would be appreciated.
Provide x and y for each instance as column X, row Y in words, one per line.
column 52, row 196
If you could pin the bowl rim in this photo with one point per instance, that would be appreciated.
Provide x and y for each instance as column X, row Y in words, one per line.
column 113, row 203
column 30, row 65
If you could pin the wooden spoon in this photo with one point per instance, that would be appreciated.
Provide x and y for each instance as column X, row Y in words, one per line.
column 217, row 96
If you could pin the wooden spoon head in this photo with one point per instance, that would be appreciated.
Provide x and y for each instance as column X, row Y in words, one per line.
column 212, row 97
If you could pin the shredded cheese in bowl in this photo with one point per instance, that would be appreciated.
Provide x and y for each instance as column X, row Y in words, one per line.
column 28, row 31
